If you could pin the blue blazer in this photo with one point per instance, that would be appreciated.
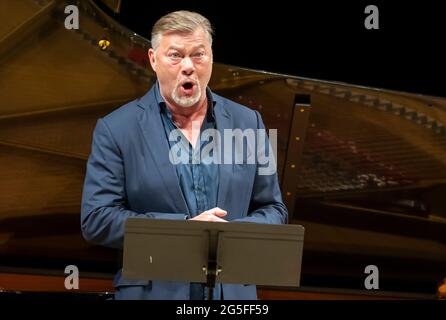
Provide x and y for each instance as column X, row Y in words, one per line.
column 129, row 175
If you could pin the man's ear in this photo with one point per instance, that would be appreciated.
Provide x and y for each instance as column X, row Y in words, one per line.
column 151, row 54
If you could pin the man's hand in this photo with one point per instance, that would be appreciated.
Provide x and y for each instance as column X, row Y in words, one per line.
column 213, row 215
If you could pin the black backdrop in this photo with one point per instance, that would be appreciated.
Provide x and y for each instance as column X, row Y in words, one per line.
column 321, row 39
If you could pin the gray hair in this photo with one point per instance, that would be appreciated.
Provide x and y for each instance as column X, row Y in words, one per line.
column 180, row 21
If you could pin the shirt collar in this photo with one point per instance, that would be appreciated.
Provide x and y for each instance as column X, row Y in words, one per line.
column 163, row 107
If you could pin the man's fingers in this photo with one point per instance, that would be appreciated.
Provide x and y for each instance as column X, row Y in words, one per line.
column 213, row 214
column 208, row 217
column 217, row 219
column 218, row 212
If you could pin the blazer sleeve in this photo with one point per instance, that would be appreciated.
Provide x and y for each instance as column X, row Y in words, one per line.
column 266, row 205
column 103, row 208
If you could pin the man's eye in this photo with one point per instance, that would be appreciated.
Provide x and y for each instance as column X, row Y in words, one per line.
column 175, row 55
column 199, row 55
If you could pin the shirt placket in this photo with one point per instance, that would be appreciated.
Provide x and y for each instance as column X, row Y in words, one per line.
column 199, row 186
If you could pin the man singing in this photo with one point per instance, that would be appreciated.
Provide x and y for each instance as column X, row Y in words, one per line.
column 130, row 172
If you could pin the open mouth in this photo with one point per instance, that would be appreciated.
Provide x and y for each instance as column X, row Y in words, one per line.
column 188, row 87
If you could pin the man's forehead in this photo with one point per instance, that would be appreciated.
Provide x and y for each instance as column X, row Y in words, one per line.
column 181, row 39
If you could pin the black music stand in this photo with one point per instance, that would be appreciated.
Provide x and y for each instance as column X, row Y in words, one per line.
column 210, row 252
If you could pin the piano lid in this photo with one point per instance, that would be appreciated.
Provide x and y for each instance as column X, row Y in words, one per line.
column 368, row 183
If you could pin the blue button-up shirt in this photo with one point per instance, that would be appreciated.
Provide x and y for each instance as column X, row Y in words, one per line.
column 198, row 181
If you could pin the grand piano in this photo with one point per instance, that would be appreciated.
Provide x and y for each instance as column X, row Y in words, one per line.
column 362, row 169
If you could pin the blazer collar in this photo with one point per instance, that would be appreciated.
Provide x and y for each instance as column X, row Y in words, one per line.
column 149, row 101
column 151, row 127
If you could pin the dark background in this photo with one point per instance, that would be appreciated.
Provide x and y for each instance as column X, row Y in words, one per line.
column 321, row 40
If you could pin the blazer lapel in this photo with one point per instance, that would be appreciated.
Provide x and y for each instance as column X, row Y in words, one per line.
column 153, row 132
column 223, row 121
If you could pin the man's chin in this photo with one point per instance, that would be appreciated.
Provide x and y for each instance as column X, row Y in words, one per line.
column 186, row 102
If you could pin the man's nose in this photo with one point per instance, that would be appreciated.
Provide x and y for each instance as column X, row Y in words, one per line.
column 187, row 67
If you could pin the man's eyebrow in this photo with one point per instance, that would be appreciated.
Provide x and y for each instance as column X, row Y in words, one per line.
column 199, row 46
column 175, row 47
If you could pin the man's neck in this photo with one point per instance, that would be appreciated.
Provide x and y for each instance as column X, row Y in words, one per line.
column 184, row 116
column 189, row 120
